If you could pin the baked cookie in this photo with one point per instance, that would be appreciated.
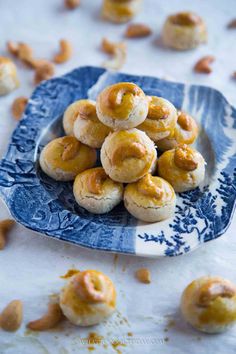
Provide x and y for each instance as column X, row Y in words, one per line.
column 185, row 132
column 128, row 155
column 150, row 199
column 161, row 118
column 184, row 30
column 63, row 158
column 96, row 192
column 88, row 298
column 87, row 128
column 183, row 167
column 120, row 11
column 122, row 106
column 209, row 304
column 8, row 76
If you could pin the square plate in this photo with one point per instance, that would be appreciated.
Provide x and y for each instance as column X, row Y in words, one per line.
column 47, row 206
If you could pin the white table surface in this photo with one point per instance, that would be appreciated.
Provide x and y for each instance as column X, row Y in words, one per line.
column 31, row 264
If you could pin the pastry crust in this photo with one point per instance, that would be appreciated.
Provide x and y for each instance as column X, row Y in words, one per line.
column 128, row 155
column 8, row 76
column 184, row 132
column 161, row 119
column 150, row 199
column 209, row 304
column 183, row 167
column 88, row 298
column 96, row 192
column 120, row 11
column 184, row 30
column 63, row 158
column 87, row 128
column 122, row 106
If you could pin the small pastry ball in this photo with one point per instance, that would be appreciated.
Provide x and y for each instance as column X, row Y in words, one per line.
column 88, row 298
column 122, row 106
column 161, row 119
column 128, row 155
column 87, row 127
column 184, row 30
column 185, row 132
column 96, row 192
column 183, row 167
column 209, row 304
column 120, row 11
column 150, row 199
column 63, row 158
column 8, row 76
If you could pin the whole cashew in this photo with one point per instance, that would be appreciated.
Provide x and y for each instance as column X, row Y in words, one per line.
column 203, row 65
column 184, row 159
column 5, row 227
column 147, row 187
column 11, row 316
column 49, row 320
column 135, row 150
column 95, row 180
column 157, row 112
column 184, row 121
column 65, row 52
column 71, row 148
column 210, row 291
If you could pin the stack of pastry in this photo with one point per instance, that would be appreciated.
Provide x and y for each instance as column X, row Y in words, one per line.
column 128, row 126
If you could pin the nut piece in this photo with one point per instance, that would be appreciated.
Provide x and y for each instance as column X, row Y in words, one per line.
column 137, row 30
column 95, row 181
column 49, row 320
column 210, row 291
column 143, row 275
column 203, row 65
column 135, row 150
column 13, row 48
column 234, row 75
column 5, row 227
column 184, row 158
column 158, row 112
column 18, row 107
column 11, row 316
column 184, row 121
column 72, row 4
column 44, row 71
column 232, row 24
column 70, row 149
column 148, row 188
column 65, row 52
column 117, row 50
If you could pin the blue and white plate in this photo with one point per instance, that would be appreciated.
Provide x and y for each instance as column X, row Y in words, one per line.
column 46, row 206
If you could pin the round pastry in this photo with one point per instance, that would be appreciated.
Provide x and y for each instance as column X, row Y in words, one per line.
column 8, row 76
column 87, row 127
column 161, row 119
column 185, row 132
column 63, row 158
column 184, row 30
column 128, row 155
column 150, row 199
column 96, row 192
column 120, row 11
column 70, row 116
column 88, row 298
column 183, row 167
column 209, row 304
column 122, row 106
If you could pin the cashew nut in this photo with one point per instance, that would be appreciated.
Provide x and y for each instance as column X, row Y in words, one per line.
column 13, row 48
column 184, row 121
column 5, row 227
column 49, row 320
column 87, row 110
column 135, row 150
column 210, row 291
column 184, row 158
column 72, row 4
column 147, row 187
column 117, row 92
column 203, row 65
column 71, row 148
column 157, row 112
column 185, row 19
column 137, row 30
column 11, row 316
column 89, row 285
column 18, row 107
column 143, row 275
column 95, row 180
column 118, row 52
column 232, row 24
column 65, row 52
column 44, row 71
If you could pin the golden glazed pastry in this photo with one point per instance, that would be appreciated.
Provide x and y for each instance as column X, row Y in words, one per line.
column 8, row 76
column 161, row 118
column 150, row 199
column 209, row 304
column 128, row 155
column 184, row 30
column 88, row 298
column 96, row 192
column 183, row 167
column 185, row 132
column 63, row 158
column 87, row 127
column 122, row 106
column 120, row 11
